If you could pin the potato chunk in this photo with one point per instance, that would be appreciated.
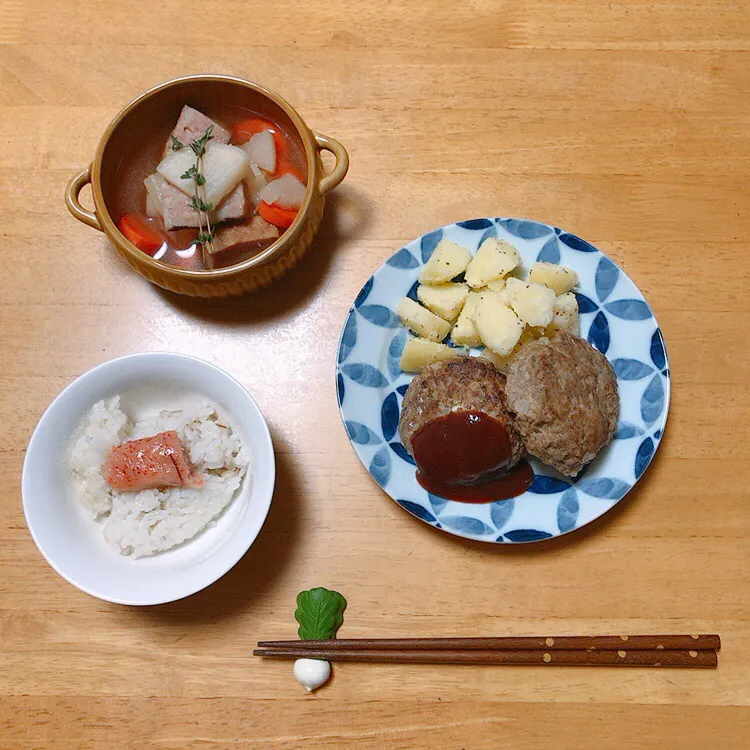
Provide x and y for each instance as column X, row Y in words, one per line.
column 497, row 325
column 419, row 353
column 422, row 321
column 496, row 285
column 533, row 303
column 558, row 278
column 493, row 260
column 447, row 261
column 501, row 295
column 565, row 316
column 527, row 335
column 464, row 332
column 445, row 300
column 500, row 362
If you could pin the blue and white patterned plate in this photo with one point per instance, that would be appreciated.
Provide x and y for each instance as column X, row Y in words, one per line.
column 614, row 318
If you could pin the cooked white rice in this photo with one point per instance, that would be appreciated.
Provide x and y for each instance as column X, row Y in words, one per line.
column 150, row 521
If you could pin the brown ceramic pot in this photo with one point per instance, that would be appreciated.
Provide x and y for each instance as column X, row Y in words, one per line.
column 156, row 111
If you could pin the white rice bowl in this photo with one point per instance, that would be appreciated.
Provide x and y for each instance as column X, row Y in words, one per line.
column 155, row 520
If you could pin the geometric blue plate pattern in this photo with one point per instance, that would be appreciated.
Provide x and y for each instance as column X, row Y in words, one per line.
column 614, row 318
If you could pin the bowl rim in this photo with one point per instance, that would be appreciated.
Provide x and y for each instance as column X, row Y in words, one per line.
column 286, row 239
column 261, row 503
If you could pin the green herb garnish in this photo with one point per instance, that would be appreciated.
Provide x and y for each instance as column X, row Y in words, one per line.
column 176, row 145
column 199, row 144
column 319, row 613
column 199, row 205
column 198, row 201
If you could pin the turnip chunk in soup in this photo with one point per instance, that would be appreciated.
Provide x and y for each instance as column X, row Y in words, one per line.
column 256, row 181
column 261, row 150
column 222, row 166
column 154, row 195
column 287, row 192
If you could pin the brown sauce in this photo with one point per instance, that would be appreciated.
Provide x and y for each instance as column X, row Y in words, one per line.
column 464, row 456
column 511, row 484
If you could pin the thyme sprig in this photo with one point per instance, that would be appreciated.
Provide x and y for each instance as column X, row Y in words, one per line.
column 198, row 201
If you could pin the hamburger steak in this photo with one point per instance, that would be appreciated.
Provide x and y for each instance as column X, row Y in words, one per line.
column 471, row 435
column 562, row 394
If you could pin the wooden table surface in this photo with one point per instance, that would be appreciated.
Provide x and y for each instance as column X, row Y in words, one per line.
column 626, row 123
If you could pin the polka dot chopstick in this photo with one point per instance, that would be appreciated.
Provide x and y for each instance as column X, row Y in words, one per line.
column 689, row 651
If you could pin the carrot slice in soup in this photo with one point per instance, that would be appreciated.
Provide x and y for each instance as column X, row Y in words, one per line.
column 284, row 166
column 137, row 229
column 276, row 215
column 244, row 130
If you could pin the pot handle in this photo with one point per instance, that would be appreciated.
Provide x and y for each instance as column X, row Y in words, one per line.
column 334, row 177
column 72, row 191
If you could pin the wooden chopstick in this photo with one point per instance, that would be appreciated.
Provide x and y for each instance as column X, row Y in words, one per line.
column 515, row 643
column 518, row 657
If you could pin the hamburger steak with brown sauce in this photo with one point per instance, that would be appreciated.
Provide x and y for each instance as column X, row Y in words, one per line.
column 562, row 394
column 455, row 424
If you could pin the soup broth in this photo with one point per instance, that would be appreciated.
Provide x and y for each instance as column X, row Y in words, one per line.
column 258, row 208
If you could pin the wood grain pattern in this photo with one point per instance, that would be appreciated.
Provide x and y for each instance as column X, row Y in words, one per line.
column 625, row 123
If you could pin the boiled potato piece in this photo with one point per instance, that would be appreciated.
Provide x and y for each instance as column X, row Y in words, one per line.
column 501, row 295
column 558, row 278
column 447, row 261
column 464, row 332
column 496, row 285
column 533, row 303
column 565, row 316
column 420, row 320
column 419, row 353
column 493, row 260
column 531, row 333
column 528, row 335
column 497, row 325
column 445, row 300
column 500, row 362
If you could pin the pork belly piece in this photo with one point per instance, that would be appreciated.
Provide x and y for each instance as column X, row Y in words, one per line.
column 237, row 242
column 157, row 461
column 178, row 212
column 193, row 124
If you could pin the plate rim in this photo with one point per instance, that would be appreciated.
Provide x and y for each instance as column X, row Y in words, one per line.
column 463, row 535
